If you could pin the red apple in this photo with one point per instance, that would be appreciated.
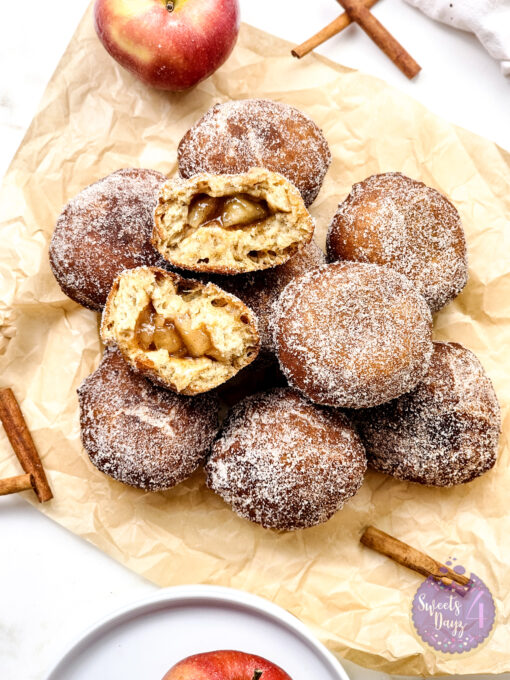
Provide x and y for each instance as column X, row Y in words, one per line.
column 226, row 665
column 169, row 45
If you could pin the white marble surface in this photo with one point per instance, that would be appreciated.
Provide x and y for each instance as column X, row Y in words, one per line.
column 54, row 584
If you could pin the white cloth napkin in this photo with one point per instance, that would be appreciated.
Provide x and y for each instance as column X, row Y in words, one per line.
column 489, row 20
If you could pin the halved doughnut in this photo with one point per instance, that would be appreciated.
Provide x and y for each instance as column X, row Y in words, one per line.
column 186, row 335
column 230, row 224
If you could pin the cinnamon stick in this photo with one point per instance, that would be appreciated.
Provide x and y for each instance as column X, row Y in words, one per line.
column 382, row 38
column 332, row 29
column 21, row 441
column 16, row 484
column 411, row 558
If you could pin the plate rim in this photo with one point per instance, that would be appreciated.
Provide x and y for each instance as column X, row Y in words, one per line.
column 188, row 593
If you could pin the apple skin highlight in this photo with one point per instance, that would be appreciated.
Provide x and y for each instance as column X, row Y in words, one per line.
column 169, row 50
column 226, row 665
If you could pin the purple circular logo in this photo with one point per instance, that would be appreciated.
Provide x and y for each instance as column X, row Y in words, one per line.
column 449, row 622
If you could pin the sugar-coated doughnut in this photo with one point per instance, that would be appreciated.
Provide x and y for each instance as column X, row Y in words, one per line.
column 352, row 335
column 285, row 463
column 230, row 224
column 141, row 434
column 444, row 432
column 393, row 220
column 238, row 135
column 186, row 335
column 260, row 290
column 103, row 230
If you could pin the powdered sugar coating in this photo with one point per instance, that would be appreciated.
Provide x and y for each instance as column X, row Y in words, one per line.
column 443, row 433
column 285, row 463
column 393, row 220
column 141, row 434
column 260, row 290
column 238, row 135
column 352, row 335
column 103, row 230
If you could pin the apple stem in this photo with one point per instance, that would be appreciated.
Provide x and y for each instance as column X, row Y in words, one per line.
column 257, row 675
column 170, row 5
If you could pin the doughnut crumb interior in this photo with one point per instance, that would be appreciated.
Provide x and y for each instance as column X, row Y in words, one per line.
column 188, row 336
column 229, row 224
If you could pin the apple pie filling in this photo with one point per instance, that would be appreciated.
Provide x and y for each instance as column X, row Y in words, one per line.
column 227, row 212
column 154, row 331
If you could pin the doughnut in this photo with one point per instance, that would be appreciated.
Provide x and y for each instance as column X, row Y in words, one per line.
column 188, row 336
column 393, row 220
column 141, row 434
column 445, row 432
column 352, row 335
column 230, row 224
column 235, row 136
column 260, row 290
column 285, row 463
column 103, row 230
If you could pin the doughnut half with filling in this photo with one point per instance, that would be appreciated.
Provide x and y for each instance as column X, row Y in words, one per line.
column 188, row 336
column 230, row 224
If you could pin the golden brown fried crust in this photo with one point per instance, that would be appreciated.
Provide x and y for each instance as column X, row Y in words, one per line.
column 393, row 220
column 141, row 434
column 235, row 136
column 285, row 463
column 352, row 335
column 444, row 432
column 103, row 230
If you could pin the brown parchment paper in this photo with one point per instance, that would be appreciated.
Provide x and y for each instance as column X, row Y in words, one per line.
column 95, row 118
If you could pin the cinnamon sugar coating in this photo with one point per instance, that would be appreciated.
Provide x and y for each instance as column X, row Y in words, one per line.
column 443, row 433
column 285, row 463
column 238, row 135
column 352, row 335
column 141, row 434
column 393, row 220
column 103, row 230
column 260, row 290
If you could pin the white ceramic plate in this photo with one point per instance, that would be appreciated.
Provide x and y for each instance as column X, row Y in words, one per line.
column 142, row 641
